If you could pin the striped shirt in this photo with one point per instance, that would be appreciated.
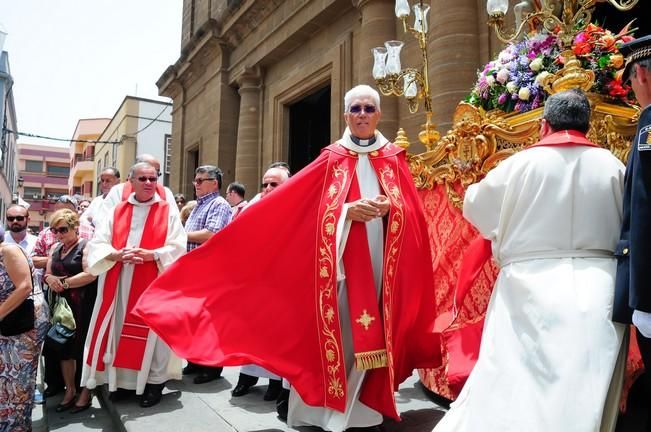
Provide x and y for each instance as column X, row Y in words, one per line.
column 212, row 213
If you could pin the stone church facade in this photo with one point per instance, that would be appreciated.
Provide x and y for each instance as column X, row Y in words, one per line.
column 260, row 81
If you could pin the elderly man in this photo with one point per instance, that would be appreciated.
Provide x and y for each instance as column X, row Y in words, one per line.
column 552, row 213
column 121, row 191
column 143, row 237
column 345, row 304
column 109, row 177
column 17, row 220
column 211, row 214
column 633, row 293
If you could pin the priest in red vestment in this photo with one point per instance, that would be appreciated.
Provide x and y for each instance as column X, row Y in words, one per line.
column 338, row 261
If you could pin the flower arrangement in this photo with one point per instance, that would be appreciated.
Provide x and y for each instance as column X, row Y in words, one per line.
column 512, row 82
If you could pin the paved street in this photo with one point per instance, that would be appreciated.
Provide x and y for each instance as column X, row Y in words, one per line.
column 209, row 407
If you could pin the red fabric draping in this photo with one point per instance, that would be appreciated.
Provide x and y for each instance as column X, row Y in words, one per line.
column 284, row 316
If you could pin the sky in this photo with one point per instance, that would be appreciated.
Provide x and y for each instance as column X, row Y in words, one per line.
column 74, row 59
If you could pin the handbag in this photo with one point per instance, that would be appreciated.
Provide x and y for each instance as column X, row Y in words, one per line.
column 63, row 325
column 21, row 319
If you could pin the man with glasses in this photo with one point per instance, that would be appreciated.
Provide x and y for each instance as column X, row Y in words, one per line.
column 633, row 286
column 141, row 239
column 17, row 220
column 211, row 214
column 235, row 196
column 343, row 308
column 120, row 192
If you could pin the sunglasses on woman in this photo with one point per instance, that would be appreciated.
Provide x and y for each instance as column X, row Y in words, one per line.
column 61, row 230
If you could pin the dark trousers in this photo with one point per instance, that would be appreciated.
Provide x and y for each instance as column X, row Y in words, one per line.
column 645, row 349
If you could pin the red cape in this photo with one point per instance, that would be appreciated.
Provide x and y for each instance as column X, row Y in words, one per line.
column 263, row 290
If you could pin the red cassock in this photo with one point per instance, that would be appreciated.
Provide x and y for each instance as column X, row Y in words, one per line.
column 264, row 289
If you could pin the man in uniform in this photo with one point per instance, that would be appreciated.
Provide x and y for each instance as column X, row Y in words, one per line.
column 633, row 287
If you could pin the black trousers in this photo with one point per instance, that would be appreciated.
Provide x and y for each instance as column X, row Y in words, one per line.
column 645, row 349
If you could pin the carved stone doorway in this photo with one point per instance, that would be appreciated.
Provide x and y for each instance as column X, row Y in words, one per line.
column 309, row 128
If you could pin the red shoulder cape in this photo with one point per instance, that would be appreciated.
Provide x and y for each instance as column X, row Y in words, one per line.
column 263, row 290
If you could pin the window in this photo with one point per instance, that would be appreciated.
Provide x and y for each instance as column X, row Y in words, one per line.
column 57, row 170
column 168, row 159
column 32, row 192
column 34, row 166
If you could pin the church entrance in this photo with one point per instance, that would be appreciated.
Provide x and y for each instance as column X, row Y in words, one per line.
column 309, row 128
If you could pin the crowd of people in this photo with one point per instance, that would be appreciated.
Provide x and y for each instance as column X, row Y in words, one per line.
column 350, row 292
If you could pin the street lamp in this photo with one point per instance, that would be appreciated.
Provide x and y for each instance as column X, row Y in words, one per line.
column 412, row 83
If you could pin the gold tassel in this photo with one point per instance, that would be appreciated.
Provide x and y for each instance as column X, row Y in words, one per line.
column 371, row 359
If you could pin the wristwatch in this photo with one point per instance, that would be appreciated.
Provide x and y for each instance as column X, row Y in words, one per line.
column 156, row 256
column 65, row 285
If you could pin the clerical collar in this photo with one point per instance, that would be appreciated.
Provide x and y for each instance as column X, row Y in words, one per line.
column 363, row 142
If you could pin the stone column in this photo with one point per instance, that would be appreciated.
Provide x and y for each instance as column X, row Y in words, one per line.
column 247, row 164
column 454, row 55
column 379, row 24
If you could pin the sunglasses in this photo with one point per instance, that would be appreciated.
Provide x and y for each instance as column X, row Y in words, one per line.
column 368, row 109
column 61, row 230
column 143, row 179
column 199, row 181
column 272, row 184
column 15, row 218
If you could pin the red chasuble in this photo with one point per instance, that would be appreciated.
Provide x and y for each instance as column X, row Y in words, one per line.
column 133, row 339
column 264, row 290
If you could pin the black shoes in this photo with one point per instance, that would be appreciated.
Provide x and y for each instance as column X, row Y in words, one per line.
column 152, row 395
column 244, row 383
column 273, row 390
column 121, row 394
column 191, row 368
column 207, row 374
column 65, row 406
column 282, row 404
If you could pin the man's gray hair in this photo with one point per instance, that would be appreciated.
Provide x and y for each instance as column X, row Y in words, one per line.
column 361, row 91
column 568, row 110
column 139, row 165
column 645, row 63
column 212, row 171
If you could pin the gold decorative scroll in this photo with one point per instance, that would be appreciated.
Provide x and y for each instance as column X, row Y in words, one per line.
column 479, row 140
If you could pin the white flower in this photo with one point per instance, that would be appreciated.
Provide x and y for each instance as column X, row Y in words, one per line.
column 490, row 80
column 524, row 94
column 541, row 77
column 503, row 76
column 512, row 87
column 536, row 64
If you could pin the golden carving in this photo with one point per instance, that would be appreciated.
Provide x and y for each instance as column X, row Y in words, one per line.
column 479, row 140
column 365, row 320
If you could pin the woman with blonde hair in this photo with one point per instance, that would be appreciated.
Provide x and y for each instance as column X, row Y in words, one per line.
column 19, row 353
column 65, row 275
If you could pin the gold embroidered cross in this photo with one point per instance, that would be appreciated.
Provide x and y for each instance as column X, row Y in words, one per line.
column 365, row 319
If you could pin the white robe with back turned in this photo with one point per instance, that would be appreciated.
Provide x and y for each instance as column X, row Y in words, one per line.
column 550, row 355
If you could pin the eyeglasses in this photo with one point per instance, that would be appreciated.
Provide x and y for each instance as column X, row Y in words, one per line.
column 356, row 109
column 143, row 179
column 61, row 230
column 199, row 181
column 15, row 218
column 272, row 184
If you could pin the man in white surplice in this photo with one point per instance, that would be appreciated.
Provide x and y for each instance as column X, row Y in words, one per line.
column 152, row 238
column 551, row 358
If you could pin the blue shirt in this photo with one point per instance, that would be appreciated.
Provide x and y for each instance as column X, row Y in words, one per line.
column 212, row 213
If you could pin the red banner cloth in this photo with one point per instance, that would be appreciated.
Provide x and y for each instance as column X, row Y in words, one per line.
column 264, row 290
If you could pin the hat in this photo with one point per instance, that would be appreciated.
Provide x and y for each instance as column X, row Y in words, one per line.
column 638, row 49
